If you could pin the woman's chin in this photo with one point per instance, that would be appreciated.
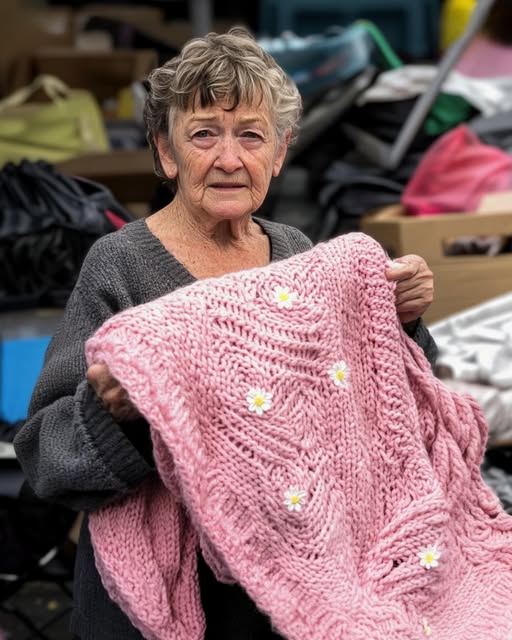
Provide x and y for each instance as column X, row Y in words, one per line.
column 229, row 210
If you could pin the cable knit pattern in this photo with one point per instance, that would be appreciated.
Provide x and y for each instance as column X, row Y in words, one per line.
column 305, row 444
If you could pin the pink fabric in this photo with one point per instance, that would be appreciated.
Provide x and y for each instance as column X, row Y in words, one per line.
column 455, row 173
column 387, row 460
column 116, row 220
column 486, row 59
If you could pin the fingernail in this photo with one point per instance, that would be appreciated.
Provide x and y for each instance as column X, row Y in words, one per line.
column 395, row 265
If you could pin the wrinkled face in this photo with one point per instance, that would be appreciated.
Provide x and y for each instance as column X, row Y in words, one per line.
column 223, row 160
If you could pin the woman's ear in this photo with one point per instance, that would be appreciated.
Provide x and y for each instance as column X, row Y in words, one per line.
column 280, row 156
column 166, row 157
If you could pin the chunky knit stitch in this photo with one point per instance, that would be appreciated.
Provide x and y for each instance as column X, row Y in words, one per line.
column 305, row 444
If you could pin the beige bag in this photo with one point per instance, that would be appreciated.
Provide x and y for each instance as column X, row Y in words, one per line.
column 68, row 125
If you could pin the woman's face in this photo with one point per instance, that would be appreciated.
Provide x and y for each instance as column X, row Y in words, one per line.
column 223, row 160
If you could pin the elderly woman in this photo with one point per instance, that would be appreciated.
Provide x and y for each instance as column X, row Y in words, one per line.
column 219, row 119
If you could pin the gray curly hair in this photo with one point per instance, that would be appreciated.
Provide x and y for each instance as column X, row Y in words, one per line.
column 214, row 68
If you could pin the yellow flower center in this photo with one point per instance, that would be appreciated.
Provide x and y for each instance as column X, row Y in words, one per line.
column 295, row 499
column 427, row 629
column 283, row 296
column 429, row 557
column 259, row 401
column 340, row 375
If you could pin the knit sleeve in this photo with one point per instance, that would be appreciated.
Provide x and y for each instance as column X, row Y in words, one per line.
column 70, row 448
column 421, row 335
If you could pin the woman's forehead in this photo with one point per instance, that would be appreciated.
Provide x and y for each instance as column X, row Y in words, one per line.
column 245, row 111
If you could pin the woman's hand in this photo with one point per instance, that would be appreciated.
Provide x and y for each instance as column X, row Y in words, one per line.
column 114, row 397
column 414, row 286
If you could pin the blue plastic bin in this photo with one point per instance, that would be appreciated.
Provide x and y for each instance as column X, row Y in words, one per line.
column 21, row 360
column 321, row 61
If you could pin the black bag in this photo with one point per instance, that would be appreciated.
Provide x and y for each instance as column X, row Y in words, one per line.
column 48, row 222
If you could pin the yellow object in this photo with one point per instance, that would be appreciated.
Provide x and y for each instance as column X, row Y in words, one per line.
column 68, row 125
column 455, row 16
column 125, row 104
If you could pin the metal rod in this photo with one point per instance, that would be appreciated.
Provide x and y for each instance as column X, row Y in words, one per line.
column 201, row 17
column 426, row 100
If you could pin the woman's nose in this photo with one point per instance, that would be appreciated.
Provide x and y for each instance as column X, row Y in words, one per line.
column 228, row 157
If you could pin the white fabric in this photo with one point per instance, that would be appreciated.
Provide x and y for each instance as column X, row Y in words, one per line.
column 489, row 96
column 476, row 345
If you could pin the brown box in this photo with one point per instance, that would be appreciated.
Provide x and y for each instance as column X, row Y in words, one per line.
column 21, row 31
column 136, row 15
column 129, row 174
column 103, row 73
column 461, row 281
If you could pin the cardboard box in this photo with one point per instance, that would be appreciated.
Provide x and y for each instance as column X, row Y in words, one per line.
column 461, row 281
column 21, row 31
column 129, row 174
column 136, row 15
column 104, row 73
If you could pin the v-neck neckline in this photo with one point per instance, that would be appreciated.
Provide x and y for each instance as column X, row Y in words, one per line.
column 183, row 274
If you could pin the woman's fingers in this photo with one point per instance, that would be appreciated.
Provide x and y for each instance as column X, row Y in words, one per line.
column 414, row 291
column 113, row 396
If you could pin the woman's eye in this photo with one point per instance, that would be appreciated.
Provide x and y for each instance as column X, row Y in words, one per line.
column 251, row 134
column 204, row 133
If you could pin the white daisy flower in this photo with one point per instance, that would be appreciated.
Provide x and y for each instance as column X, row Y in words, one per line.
column 259, row 400
column 284, row 297
column 294, row 498
column 427, row 629
column 429, row 557
column 339, row 373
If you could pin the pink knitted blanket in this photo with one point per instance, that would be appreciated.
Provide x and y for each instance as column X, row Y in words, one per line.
column 303, row 441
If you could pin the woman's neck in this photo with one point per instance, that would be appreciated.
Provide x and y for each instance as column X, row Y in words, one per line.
column 223, row 233
column 210, row 248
